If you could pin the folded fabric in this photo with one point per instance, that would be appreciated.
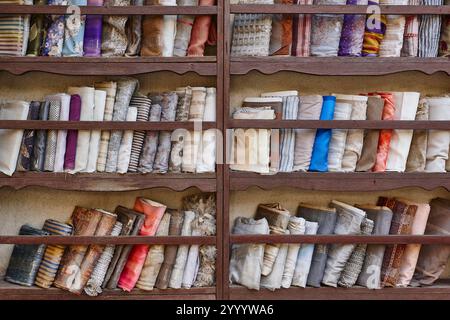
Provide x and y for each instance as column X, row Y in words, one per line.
column 348, row 222
column 25, row 259
column 151, row 137
column 125, row 145
column 352, row 35
column 200, row 31
column 411, row 35
column 198, row 103
column 134, row 31
column 260, row 108
column 72, row 135
column 411, row 254
column 92, row 44
column 64, row 111
column 155, row 258
column 304, row 258
column 374, row 33
column 433, row 258
column 184, row 29
column 366, row 162
column 281, row 36
column 110, row 88
column 326, row 218
column 161, row 164
column 125, row 90
column 342, row 111
column 37, row 32
column 184, row 102
column 246, row 261
column 406, row 104
column 319, row 156
column 153, row 214
column 354, row 264
column 417, row 156
column 429, row 30
column 27, row 146
column 371, row 270
column 392, row 43
column 444, row 43
column 301, row 31
column 52, row 135
column 143, row 105
column 272, row 281
column 114, row 37
column 296, row 226
column 10, row 139
column 74, row 31
column 438, row 140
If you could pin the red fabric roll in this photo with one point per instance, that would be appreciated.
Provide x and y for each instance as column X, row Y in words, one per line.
column 200, row 31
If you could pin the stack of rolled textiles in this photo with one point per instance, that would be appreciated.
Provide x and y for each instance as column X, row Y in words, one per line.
column 78, row 35
column 111, row 151
column 90, row 269
column 341, row 150
column 275, row 266
column 331, row 35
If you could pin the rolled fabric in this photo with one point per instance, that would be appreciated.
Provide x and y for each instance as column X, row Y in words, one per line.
column 169, row 30
column 309, row 109
column 385, row 134
column 319, row 156
column 207, row 163
column 209, row 113
column 326, row 218
column 184, row 102
column 114, row 37
column 444, row 43
column 184, row 29
column 132, row 222
column 326, row 31
column 176, row 151
column 92, row 44
column 411, row 35
column 375, row 105
column 374, row 33
column 151, row 138
column 72, row 135
column 134, row 32
column 342, row 111
column 246, row 261
column 296, row 226
column 40, row 141
column 348, row 222
column 411, row 254
column 94, row 141
column 191, row 154
column 74, row 31
column 170, row 251
column 406, row 104
column 110, row 88
column 161, row 164
column 10, row 139
column 260, row 108
column 392, row 43
column 354, row 264
column 355, row 137
column 155, row 258
column 153, row 213
column 94, row 285
column 53, row 253
column 433, row 258
column 272, row 281
column 62, row 134
column 143, row 105
column 27, row 146
column 25, row 259
column 192, row 260
column 169, row 104
column 429, row 30
column 52, row 135
column 54, row 38
column 281, row 36
column 278, row 219
column 85, row 223
column 438, row 140
column 125, row 90
column 352, row 36
column 301, row 31
column 371, row 270
column 206, row 275
column 176, row 276
column 304, row 258
column 200, row 31
column 126, row 143
column 37, row 32
column 198, row 103
column 402, row 219
column 417, row 156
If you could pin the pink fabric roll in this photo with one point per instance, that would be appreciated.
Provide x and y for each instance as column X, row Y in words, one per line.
column 200, row 32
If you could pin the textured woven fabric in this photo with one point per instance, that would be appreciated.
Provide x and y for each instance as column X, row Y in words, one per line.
column 429, row 30
column 151, row 138
column 27, row 146
column 411, row 35
column 200, row 31
column 143, row 105
column 184, row 29
column 62, row 134
column 74, row 32
column 417, row 156
column 206, row 275
column 198, row 102
column 169, row 104
column 52, row 135
column 374, row 33
column 352, row 36
column 134, row 31
column 14, row 31
column 72, row 135
column 301, row 31
column 40, row 142
column 94, row 141
column 296, row 226
column 125, row 145
column 392, row 42
column 114, row 37
column 184, row 103
column 92, row 44
column 304, row 258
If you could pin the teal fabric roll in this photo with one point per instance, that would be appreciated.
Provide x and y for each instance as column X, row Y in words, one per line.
column 74, row 32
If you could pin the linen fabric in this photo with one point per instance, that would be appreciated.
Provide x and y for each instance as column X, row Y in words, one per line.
column 40, row 142
column 200, row 31
column 192, row 260
column 37, row 32
column 114, row 37
column 92, row 44
column 296, row 226
column 433, row 258
column 94, row 141
column 133, row 31
column 304, row 257
column 62, row 134
column 342, row 111
column 326, row 218
column 151, row 138
column 198, row 103
column 184, row 102
column 411, row 35
column 348, row 222
column 392, row 43
column 10, row 139
column 72, row 135
column 169, row 104
column 161, row 164
column 143, row 105
column 126, row 144
column 281, row 36
column 207, row 162
column 209, row 113
column 27, row 146
column 246, row 261
column 272, row 281
column 371, row 270
column 429, row 30
column 74, row 32
column 417, row 156
column 52, row 135
column 184, row 29
column 319, row 156
column 374, row 33
column 301, row 31
column 352, row 36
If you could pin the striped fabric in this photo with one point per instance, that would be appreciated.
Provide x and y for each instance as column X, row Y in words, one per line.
column 301, row 31
column 143, row 105
column 429, row 29
column 374, row 33
column 411, row 35
column 14, row 33
column 392, row 43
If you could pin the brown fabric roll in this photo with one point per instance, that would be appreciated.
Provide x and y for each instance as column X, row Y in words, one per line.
column 170, row 252
column 152, row 29
column 281, row 37
column 417, row 156
column 401, row 224
column 85, row 222
column 132, row 222
column 375, row 105
column 134, row 32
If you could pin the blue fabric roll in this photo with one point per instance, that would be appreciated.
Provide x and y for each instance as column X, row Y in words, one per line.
column 74, row 31
column 319, row 158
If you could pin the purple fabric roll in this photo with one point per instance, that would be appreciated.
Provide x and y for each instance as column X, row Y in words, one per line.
column 72, row 135
column 93, row 32
column 352, row 35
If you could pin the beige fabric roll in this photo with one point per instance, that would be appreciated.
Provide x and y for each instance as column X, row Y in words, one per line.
column 417, row 156
column 392, row 43
column 336, row 149
column 191, row 146
column 198, row 102
column 94, row 142
column 126, row 143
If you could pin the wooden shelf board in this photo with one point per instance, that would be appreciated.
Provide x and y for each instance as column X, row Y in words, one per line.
column 340, row 181
column 109, row 181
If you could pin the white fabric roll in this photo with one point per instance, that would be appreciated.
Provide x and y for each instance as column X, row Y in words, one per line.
column 192, row 261
column 125, row 144
column 94, row 143
column 304, row 257
column 342, row 111
column 62, row 134
column 296, row 226
column 169, row 30
column 273, row 280
column 210, row 105
column 206, row 161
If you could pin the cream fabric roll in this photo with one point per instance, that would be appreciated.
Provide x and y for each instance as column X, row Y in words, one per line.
column 198, row 102
column 87, row 95
column 62, row 134
column 206, row 161
column 210, row 105
column 94, row 143
column 296, row 226
column 192, row 261
column 438, row 140
column 406, row 104
column 169, row 30
column 273, row 280
column 342, row 111
column 125, row 145
column 392, row 43
column 192, row 142
column 304, row 257
column 10, row 139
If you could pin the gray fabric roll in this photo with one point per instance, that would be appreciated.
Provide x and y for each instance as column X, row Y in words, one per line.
column 161, row 164
column 52, row 136
column 184, row 103
column 429, row 31
column 169, row 106
column 184, row 29
column 273, row 280
column 151, row 138
column 304, row 258
column 296, row 226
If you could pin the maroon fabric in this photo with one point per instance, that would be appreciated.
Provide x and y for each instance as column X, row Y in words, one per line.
column 72, row 135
